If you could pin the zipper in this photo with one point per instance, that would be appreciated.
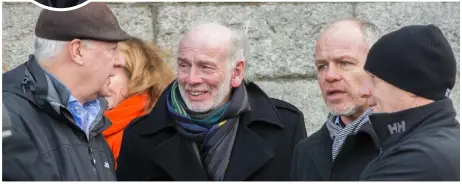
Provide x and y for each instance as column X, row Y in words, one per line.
column 90, row 148
column 90, row 151
column 24, row 83
column 378, row 157
column 92, row 158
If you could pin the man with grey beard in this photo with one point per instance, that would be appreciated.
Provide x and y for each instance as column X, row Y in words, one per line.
column 339, row 60
column 211, row 124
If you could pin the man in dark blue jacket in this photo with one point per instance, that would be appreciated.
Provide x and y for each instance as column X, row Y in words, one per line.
column 412, row 72
column 52, row 99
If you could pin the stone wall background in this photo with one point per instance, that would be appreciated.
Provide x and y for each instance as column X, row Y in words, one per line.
column 281, row 36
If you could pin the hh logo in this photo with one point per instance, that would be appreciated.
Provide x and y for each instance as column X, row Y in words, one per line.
column 397, row 127
column 106, row 165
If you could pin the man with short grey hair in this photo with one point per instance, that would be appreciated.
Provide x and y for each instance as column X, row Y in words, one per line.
column 52, row 99
column 340, row 55
column 211, row 124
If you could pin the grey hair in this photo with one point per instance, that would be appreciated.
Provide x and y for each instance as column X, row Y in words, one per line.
column 47, row 49
column 239, row 48
column 371, row 32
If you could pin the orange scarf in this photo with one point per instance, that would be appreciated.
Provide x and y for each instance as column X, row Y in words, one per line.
column 120, row 117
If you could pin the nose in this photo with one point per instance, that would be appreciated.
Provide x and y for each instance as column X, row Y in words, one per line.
column 365, row 92
column 119, row 60
column 105, row 89
column 332, row 75
column 193, row 77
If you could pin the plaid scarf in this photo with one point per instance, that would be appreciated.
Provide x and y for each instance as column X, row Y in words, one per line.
column 214, row 133
column 196, row 129
column 339, row 133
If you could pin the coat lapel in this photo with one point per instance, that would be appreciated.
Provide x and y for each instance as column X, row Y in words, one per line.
column 321, row 150
column 176, row 156
column 174, row 153
column 249, row 154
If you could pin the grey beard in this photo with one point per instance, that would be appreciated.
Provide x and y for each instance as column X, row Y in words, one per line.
column 347, row 112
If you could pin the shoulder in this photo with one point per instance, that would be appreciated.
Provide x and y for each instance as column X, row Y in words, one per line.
column 256, row 92
column 439, row 144
column 132, row 126
column 402, row 164
column 285, row 106
column 319, row 137
column 429, row 155
column 263, row 104
column 436, row 143
column 14, row 76
column 15, row 103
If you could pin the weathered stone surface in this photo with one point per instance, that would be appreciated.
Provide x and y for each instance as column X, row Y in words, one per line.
column 281, row 35
column 18, row 32
column 135, row 18
column 303, row 94
column 392, row 16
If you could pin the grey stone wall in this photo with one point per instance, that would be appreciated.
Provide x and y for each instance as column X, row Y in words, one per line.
column 281, row 35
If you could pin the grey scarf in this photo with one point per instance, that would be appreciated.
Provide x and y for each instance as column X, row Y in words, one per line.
column 215, row 157
column 339, row 133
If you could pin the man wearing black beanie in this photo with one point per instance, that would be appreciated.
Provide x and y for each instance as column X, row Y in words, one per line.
column 412, row 72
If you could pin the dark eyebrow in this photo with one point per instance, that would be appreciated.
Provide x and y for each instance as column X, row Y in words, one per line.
column 317, row 61
column 182, row 59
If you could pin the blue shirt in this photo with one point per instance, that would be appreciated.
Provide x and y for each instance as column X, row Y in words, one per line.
column 85, row 114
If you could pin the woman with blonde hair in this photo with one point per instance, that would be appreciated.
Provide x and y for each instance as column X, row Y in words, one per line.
column 135, row 88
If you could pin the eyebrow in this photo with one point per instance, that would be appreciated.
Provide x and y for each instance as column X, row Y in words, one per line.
column 317, row 61
column 182, row 59
column 345, row 57
column 203, row 62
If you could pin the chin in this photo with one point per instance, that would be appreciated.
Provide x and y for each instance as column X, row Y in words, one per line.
column 342, row 110
column 198, row 107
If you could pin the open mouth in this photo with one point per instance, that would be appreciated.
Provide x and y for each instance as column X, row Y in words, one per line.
column 197, row 95
column 334, row 95
column 334, row 92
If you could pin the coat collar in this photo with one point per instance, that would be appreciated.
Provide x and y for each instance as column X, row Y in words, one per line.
column 48, row 94
column 391, row 127
column 322, row 152
column 243, row 163
column 262, row 110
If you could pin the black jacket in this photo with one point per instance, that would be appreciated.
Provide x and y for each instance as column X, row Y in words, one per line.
column 418, row 144
column 153, row 150
column 61, row 3
column 46, row 144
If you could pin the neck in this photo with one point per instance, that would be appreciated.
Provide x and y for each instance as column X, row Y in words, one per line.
column 414, row 102
column 61, row 72
column 404, row 102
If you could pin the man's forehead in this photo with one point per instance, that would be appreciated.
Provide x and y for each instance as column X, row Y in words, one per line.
column 336, row 49
column 209, row 51
column 336, row 53
column 342, row 32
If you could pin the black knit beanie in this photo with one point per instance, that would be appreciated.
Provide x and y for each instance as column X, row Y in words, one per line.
column 415, row 58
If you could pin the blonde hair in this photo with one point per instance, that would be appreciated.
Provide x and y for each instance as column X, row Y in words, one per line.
column 146, row 69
